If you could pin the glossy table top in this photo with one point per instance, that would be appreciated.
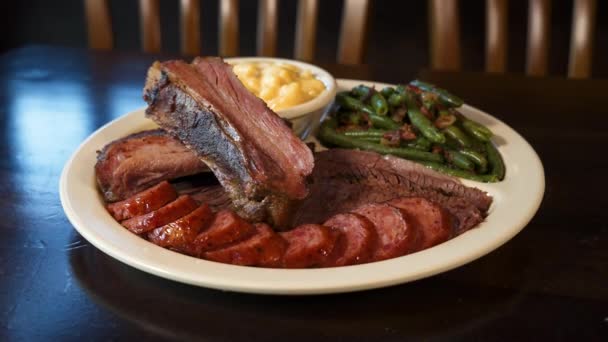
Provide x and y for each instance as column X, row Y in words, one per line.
column 549, row 282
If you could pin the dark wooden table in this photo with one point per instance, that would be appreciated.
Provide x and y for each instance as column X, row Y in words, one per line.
column 549, row 282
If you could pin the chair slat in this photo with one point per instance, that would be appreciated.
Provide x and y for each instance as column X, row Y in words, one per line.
column 581, row 42
column 306, row 30
column 149, row 19
column 99, row 24
column 190, row 28
column 353, row 32
column 539, row 14
column 267, row 27
column 496, row 35
column 445, row 34
column 229, row 28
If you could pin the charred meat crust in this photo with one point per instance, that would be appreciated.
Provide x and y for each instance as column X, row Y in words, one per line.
column 202, row 132
column 214, row 116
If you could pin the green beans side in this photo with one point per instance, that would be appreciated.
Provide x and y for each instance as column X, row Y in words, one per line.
column 368, row 115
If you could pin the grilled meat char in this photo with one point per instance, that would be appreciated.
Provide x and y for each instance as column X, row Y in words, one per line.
column 138, row 161
column 256, row 157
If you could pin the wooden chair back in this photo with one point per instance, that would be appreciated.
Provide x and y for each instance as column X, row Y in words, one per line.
column 445, row 40
column 351, row 47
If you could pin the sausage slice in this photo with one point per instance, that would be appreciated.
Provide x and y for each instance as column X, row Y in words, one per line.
column 183, row 205
column 180, row 234
column 356, row 242
column 434, row 223
column 226, row 227
column 396, row 235
column 143, row 202
column 309, row 245
column 264, row 249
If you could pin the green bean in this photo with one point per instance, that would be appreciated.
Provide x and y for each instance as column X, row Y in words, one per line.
column 383, row 122
column 475, row 133
column 444, row 119
column 475, row 129
column 422, row 123
column 459, row 160
column 351, row 118
column 420, row 143
column 387, row 92
column 375, row 140
column 379, row 104
column 497, row 165
column 477, row 158
column 328, row 134
column 352, row 103
column 368, row 133
column 361, row 91
column 489, row 178
column 445, row 97
column 457, row 135
column 396, row 99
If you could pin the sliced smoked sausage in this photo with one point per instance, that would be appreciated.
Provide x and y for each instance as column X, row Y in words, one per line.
column 180, row 234
column 434, row 223
column 265, row 248
column 226, row 227
column 143, row 202
column 396, row 235
column 308, row 245
column 356, row 242
column 183, row 205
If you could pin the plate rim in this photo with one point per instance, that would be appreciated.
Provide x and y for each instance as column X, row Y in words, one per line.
column 295, row 282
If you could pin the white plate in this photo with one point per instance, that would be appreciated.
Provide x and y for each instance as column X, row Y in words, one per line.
column 516, row 200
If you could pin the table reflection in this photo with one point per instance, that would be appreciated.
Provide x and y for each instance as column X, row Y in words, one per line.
column 165, row 307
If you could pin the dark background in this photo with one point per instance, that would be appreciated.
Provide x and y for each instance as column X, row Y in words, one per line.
column 398, row 32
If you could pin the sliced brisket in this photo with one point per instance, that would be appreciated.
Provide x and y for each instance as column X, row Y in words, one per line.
column 258, row 160
column 346, row 179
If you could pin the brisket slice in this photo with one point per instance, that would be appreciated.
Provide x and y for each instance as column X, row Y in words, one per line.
column 346, row 179
column 136, row 162
column 258, row 160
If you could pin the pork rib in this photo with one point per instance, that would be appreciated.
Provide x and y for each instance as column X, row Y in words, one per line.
column 256, row 157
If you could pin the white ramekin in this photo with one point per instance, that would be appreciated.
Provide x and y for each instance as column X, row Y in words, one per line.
column 304, row 115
